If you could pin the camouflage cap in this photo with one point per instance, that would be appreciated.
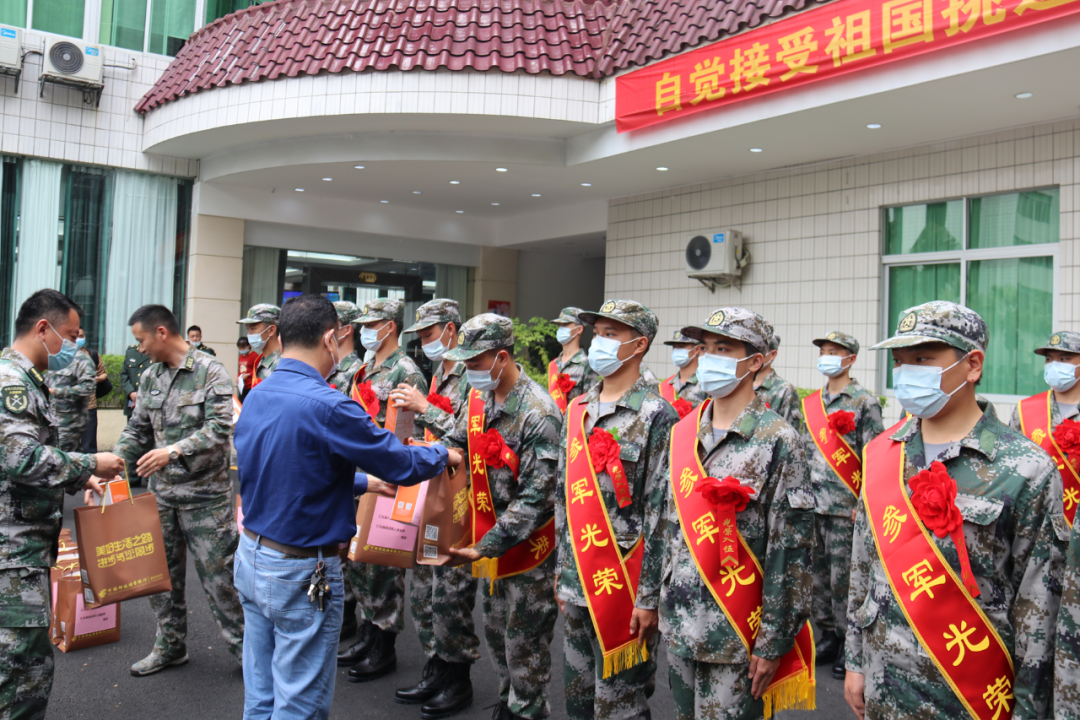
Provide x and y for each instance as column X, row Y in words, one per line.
column 568, row 316
column 626, row 312
column 262, row 313
column 678, row 339
column 382, row 309
column 738, row 324
column 841, row 339
column 774, row 342
column 347, row 312
column 1063, row 341
column 486, row 331
column 434, row 312
column 939, row 321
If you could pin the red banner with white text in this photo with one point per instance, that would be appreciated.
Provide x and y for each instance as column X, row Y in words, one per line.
column 825, row 42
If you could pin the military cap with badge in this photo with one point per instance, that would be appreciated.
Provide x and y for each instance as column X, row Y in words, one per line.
column 720, row 375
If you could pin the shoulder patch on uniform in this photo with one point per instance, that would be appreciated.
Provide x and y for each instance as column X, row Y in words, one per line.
column 15, row 399
column 190, row 363
column 36, row 375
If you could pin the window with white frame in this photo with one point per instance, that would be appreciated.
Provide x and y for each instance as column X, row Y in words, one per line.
column 998, row 255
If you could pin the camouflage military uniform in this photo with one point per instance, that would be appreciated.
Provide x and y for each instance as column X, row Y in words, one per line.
column 577, row 368
column 33, row 477
column 269, row 314
column 1011, row 507
column 1062, row 341
column 1067, row 647
column 130, row 375
column 690, row 390
column 519, row 611
column 346, row 369
column 783, row 399
column 72, row 389
column 190, row 408
column 642, row 421
column 379, row 590
column 206, row 349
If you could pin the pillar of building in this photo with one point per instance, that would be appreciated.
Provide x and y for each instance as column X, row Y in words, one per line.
column 495, row 280
column 214, row 272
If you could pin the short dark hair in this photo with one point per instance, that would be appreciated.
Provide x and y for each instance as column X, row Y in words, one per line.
column 151, row 317
column 52, row 305
column 196, row 328
column 305, row 319
column 242, row 341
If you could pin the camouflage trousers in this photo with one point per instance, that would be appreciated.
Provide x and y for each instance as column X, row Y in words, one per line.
column 210, row 534
column 71, row 437
column 519, row 622
column 379, row 593
column 26, row 672
column 623, row 695
column 832, row 572
column 711, row 690
column 442, row 601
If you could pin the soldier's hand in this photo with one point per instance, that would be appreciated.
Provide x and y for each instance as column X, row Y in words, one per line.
column 460, row 556
column 558, row 600
column 854, row 693
column 380, row 487
column 132, row 396
column 152, row 461
column 108, row 465
column 854, row 511
column 761, row 674
column 456, row 457
column 407, row 397
column 95, row 488
column 643, row 624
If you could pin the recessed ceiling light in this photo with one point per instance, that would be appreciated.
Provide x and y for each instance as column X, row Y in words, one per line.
column 586, row 184
column 874, row 126
column 384, row 201
column 500, row 170
column 662, row 169
column 494, row 203
column 536, row 194
column 1024, row 95
column 756, row 150
column 299, row 189
column 455, row 182
column 327, row 179
column 460, row 212
column 358, row 167
column 415, row 192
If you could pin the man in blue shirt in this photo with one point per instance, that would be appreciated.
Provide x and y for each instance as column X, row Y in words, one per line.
column 298, row 445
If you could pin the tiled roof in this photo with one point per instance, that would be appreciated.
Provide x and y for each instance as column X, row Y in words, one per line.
column 588, row 38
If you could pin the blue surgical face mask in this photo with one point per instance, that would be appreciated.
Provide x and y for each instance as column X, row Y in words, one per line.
column 680, row 356
column 481, row 379
column 564, row 335
column 604, row 355
column 718, row 374
column 256, row 341
column 918, row 389
column 62, row 359
column 80, row 343
column 831, row 365
column 244, row 352
column 435, row 349
column 369, row 338
column 1060, row 375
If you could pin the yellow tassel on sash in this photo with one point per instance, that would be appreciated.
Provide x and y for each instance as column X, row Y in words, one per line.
column 486, row 568
column 797, row 693
column 624, row 658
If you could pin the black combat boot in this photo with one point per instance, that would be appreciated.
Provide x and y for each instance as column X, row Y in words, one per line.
column 380, row 660
column 436, row 674
column 349, row 626
column 828, row 648
column 453, row 697
column 838, row 670
column 358, row 649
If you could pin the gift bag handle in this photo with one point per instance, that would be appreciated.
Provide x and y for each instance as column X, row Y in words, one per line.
column 127, row 482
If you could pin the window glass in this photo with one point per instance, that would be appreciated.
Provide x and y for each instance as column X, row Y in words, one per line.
column 1029, row 218
column 63, row 17
column 911, row 285
column 924, row 228
column 13, row 12
column 123, row 23
column 1015, row 298
column 9, row 174
column 183, row 235
column 171, row 24
column 85, row 220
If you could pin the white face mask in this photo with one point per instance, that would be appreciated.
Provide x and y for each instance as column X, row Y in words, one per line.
column 681, row 357
column 831, row 365
column 718, row 374
column 481, row 379
column 256, row 341
column 435, row 349
column 918, row 388
column 604, row 355
column 370, row 339
column 1060, row 375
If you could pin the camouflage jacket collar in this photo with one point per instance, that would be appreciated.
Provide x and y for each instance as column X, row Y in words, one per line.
column 982, row 438
column 744, row 424
column 271, row 360
column 24, row 364
column 349, row 364
column 770, row 380
column 578, row 358
column 630, row 399
column 513, row 399
column 851, row 390
column 187, row 364
column 440, row 376
column 387, row 364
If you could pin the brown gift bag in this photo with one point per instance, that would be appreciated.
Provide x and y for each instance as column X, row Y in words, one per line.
column 121, row 551
column 446, row 521
column 72, row 626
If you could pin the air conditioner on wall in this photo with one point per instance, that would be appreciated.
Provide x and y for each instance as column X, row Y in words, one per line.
column 74, row 63
column 11, row 52
column 716, row 258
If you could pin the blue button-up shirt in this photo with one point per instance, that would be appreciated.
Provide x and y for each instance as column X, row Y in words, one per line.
column 298, row 444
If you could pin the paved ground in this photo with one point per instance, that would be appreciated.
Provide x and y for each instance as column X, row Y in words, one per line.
column 96, row 682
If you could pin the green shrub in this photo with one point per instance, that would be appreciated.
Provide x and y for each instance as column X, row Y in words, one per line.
column 113, row 365
column 534, row 346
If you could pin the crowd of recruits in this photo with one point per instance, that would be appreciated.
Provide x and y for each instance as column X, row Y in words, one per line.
column 799, row 519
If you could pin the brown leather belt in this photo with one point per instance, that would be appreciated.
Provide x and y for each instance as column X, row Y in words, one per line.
column 303, row 552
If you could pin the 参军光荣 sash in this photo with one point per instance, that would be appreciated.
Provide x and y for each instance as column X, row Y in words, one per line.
column 832, row 446
column 1035, row 424
column 371, row 409
column 737, row 590
column 608, row 579
column 553, row 386
column 667, row 390
column 949, row 624
column 524, row 556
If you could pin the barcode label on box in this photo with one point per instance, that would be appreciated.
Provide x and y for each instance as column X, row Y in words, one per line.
column 88, row 595
column 431, row 532
column 431, row 551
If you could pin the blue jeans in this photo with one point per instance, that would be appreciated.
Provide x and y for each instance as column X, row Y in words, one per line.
column 290, row 648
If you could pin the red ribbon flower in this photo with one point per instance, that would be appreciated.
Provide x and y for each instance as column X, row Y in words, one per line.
column 725, row 495
column 564, row 383
column 440, row 401
column 371, row 400
column 1067, row 437
column 603, row 450
column 490, row 446
column 842, row 421
column 682, row 406
column 933, row 494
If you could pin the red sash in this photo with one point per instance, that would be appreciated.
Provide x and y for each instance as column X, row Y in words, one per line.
column 553, row 386
column 1035, row 415
column 667, row 390
column 737, row 590
column 608, row 579
column 831, row 444
column 948, row 623
column 523, row 557
column 373, row 409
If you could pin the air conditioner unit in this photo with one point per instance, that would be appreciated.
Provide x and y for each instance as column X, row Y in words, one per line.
column 73, row 62
column 716, row 258
column 11, row 52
